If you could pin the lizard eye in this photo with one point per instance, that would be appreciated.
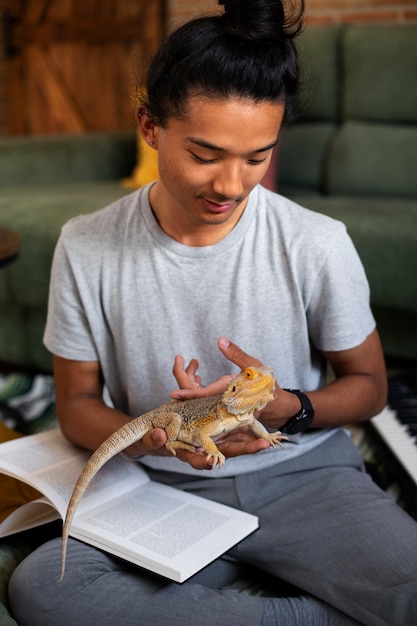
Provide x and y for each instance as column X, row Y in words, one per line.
column 250, row 373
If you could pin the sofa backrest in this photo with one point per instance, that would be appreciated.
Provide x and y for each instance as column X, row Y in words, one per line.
column 28, row 160
column 358, row 130
column 380, row 70
column 303, row 145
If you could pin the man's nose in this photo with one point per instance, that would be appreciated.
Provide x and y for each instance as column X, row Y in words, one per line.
column 228, row 180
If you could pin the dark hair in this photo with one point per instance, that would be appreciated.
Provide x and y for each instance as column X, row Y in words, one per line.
column 248, row 51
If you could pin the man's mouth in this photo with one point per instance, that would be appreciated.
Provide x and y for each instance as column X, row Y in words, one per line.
column 217, row 207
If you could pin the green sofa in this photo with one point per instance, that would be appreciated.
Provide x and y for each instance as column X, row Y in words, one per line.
column 44, row 181
column 353, row 155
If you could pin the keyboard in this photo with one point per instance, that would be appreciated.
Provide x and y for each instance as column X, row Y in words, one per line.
column 396, row 425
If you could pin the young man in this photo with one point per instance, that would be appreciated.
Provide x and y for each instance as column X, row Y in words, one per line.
column 206, row 256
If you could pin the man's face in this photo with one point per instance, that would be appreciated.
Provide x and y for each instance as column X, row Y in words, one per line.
column 209, row 161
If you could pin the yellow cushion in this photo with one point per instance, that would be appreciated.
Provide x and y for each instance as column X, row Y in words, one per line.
column 146, row 170
column 13, row 493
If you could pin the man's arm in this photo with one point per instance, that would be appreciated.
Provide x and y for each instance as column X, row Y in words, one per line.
column 358, row 392
column 84, row 418
column 87, row 421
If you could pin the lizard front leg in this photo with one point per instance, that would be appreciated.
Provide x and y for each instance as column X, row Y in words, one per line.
column 172, row 430
column 260, row 431
column 212, row 450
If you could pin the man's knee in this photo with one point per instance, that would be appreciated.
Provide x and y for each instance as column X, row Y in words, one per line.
column 37, row 596
column 28, row 595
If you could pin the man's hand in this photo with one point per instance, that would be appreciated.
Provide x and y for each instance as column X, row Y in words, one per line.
column 190, row 383
column 235, row 443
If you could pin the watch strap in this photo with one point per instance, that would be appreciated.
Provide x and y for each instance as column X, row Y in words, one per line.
column 301, row 420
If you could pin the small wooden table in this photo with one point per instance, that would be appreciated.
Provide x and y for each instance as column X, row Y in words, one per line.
column 9, row 246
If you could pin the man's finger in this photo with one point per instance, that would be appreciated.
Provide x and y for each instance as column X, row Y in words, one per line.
column 154, row 439
column 192, row 368
column 233, row 353
column 213, row 389
column 186, row 378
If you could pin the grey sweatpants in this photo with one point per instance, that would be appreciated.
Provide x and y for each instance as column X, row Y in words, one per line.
column 324, row 527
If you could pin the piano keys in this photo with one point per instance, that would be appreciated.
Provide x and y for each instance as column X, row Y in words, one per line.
column 396, row 434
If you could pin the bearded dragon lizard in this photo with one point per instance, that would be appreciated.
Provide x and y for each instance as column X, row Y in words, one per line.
column 187, row 423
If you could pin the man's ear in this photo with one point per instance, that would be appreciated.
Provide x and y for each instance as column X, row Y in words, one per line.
column 146, row 127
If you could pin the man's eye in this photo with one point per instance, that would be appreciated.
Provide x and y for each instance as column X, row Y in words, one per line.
column 201, row 160
column 256, row 161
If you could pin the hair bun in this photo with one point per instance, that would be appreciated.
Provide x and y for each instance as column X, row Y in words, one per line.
column 261, row 19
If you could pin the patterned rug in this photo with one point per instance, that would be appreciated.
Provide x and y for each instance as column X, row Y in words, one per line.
column 27, row 403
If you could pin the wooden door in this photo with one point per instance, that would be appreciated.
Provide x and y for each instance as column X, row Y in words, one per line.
column 73, row 65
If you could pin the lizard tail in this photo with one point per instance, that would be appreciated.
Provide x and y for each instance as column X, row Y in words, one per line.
column 118, row 441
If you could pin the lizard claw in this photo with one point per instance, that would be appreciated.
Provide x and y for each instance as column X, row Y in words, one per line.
column 276, row 437
column 218, row 458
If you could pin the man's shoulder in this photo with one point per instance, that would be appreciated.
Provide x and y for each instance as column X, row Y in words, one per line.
column 294, row 217
column 97, row 234
column 116, row 213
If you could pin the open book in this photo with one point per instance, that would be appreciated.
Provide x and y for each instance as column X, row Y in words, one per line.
column 123, row 512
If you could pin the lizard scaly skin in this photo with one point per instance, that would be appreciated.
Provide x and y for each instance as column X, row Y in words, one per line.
column 187, row 423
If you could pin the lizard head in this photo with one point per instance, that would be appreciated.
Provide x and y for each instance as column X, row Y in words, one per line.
column 250, row 390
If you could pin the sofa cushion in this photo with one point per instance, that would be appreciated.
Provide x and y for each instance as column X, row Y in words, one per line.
column 373, row 159
column 38, row 213
column 385, row 235
column 66, row 158
column 319, row 62
column 380, row 70
column 302, row 154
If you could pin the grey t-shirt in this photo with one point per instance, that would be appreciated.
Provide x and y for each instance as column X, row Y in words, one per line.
column 284, row 284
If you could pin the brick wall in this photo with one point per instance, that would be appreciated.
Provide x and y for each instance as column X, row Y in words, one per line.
column 328, row 11
column 181, row 10
column 317, row 11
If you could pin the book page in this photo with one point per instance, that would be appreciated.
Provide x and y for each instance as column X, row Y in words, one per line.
column 45, row 461
column 51, row 464
column 29, row 515
column 166, row 530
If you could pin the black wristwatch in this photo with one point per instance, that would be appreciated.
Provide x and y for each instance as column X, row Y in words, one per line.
column 301, row 420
